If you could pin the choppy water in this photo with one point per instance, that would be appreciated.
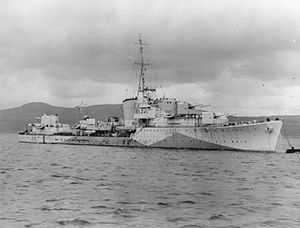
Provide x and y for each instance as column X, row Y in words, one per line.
column 81, row 186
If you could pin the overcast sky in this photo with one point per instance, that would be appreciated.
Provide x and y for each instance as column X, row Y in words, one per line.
column 241, row 57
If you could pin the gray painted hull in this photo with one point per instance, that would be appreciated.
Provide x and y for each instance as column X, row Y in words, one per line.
column 250, row 137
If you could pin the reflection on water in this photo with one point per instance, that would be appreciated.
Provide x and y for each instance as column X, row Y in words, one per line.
column 82, row 186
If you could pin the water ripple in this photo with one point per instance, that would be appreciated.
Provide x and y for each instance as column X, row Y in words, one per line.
column 75, row 222
column 78, row 186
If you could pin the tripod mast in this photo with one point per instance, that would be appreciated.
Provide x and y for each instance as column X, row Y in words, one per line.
column 142, row 64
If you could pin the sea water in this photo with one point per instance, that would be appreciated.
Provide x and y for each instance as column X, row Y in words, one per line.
column 86, row 186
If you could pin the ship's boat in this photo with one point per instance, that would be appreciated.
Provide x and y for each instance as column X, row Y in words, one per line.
column 155, row 122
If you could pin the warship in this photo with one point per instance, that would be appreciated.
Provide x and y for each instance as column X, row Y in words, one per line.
column 150, row 121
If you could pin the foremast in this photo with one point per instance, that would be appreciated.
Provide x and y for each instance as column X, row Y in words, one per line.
column 142, row 64
column 144, row 111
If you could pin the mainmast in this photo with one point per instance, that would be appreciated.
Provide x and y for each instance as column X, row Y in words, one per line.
column 142, row 64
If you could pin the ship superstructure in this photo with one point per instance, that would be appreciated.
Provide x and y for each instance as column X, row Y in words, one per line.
column 47, row 125
column 160, row 122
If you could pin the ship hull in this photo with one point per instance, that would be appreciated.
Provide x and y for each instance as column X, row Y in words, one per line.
column 244, row 137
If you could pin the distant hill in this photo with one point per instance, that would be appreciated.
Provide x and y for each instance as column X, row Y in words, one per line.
column 15, row 119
